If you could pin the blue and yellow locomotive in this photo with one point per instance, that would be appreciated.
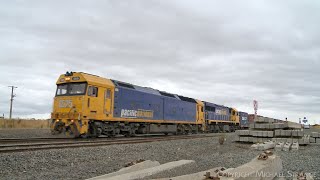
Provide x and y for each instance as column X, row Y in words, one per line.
column 88, row 105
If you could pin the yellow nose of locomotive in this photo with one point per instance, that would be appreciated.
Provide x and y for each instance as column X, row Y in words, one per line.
column 66, row 116
column 68, row 102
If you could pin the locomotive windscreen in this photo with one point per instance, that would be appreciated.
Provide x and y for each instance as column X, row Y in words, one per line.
column 71, row 89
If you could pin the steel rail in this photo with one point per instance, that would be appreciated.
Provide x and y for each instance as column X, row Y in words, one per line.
column 78, row 144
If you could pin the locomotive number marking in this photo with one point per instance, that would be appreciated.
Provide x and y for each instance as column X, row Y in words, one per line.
column 65, row 103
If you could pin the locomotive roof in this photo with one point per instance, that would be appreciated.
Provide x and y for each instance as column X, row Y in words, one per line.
column 84, row 77
column 213, row 104
column 101, row 81
column 154, row 91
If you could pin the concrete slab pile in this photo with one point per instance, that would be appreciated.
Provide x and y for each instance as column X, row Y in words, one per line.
column 288, row 133
column 295, row 146
column 264, row 167
column 287, row 146
column 255, row 146
column 244, row 133
column 315, row 134
column 260, row 119
column 264, row 129
column 136, row 167
column 244, row 139
column 144, row 170
column 314, row 137
column 266, row 145
column 305, row 140
column 278, row 125
column 262, row 126
column 313, row 140
column 198, row 176
column 243, row 136
column 284, row 140
column 260, row 140
column 292, row 125
column 262, row 133
column 279, row 146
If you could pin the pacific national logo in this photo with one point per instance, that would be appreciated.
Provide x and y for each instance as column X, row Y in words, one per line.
column 65, row 104
column 128, row 113
column 140, row 113
column 221, row 112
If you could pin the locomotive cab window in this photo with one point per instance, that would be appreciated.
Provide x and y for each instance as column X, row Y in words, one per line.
column 108, row 94
column 93, row 91
column 71, row 89
column 62, row 89
column 77, row 88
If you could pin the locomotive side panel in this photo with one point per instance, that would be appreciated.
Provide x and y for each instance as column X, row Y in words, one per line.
column 216, row 112
column 221, row 118
column 133, row 104
column 244, row 119
column 177, row 110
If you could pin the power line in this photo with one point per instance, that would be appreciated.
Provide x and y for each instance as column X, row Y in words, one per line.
column 11, row 99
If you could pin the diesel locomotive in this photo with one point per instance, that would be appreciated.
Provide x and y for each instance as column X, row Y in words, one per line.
column 87, row 105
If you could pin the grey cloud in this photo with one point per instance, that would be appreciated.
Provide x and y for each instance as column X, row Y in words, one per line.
column 228, row 52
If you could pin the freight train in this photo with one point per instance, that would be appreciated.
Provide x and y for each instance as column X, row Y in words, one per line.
column 87, row 105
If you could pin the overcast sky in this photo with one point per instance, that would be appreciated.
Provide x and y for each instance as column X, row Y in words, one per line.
column 226, row 52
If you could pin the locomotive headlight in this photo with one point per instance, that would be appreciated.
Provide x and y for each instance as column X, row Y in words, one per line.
column 76, row 78
column 67, row 78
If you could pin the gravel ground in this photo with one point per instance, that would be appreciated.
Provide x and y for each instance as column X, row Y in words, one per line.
column 24, row 133
column 82, row 163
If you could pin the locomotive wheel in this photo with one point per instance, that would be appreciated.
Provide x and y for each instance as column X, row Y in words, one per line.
column 111, row 135
column 128, row 134
column 94, row 131
column 72, row 131
column 84, row 136
column 232, row 129
column 58, row 128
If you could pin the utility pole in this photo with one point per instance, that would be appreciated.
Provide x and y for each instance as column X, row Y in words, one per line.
column 255, row 107
column 11, row 99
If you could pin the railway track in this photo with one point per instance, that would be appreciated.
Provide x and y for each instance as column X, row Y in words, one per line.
column 36, row 144
column 27, row 140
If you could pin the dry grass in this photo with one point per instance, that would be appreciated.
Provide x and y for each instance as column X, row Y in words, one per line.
column 24, row 124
